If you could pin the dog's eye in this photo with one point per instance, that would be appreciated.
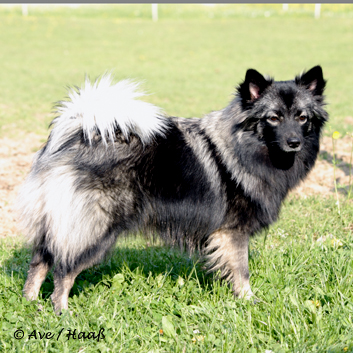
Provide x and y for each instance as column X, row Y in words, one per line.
column 303, row 118
column 274, row 119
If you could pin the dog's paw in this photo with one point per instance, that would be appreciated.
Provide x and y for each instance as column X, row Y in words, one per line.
column 244, row 293
column 249, row 296
column 59, row 304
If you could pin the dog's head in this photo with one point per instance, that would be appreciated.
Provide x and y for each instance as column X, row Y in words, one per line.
column 283, row 113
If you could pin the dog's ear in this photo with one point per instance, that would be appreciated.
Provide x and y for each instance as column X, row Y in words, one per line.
column 312, row 80
column 253, row 86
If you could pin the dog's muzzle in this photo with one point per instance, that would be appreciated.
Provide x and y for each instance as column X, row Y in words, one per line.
column 294, row 144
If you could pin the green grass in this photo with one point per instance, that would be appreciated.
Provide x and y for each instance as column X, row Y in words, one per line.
column 191, row 66
column 191, row 59
column 301, row 273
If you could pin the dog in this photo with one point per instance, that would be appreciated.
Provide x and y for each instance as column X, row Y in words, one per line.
column 114, row 164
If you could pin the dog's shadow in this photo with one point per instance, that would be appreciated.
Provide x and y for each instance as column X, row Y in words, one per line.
column 145, row 261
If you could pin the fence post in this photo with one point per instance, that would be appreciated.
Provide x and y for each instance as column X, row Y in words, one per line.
column 24, row 9
column 317, row 10
column 155, row 12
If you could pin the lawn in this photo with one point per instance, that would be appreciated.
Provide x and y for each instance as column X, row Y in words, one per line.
column 148, row 297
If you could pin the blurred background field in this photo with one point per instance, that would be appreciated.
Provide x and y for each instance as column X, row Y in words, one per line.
column 191, row 59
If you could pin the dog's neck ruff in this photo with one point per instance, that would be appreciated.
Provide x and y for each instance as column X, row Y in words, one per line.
column 102, row 107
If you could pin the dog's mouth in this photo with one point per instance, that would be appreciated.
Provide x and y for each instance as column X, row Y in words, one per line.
column 291, row 149
column 284, row 147
column 282, row 159
column 282, row 154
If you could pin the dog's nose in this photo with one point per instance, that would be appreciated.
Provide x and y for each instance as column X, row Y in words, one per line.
column 293, row 142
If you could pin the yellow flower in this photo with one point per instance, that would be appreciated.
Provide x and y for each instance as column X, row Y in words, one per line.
column 316, row 303
column 197, row 338
column 336, row 135
column 336, row 243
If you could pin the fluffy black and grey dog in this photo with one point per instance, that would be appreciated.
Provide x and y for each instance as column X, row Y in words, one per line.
column 113, row 164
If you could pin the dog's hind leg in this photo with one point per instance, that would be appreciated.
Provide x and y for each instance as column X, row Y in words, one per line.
column 41, row 263
column 62, row 286
column 228, row 251
column 65, row 278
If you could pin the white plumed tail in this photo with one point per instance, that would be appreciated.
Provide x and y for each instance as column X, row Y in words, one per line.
column 102, row 107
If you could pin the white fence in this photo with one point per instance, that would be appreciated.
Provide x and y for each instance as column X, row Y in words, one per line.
column 317, row 10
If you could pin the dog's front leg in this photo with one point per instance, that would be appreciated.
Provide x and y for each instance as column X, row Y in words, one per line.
column 228, row 251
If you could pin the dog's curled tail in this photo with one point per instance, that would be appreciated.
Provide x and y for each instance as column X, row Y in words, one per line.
column 102, row 107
